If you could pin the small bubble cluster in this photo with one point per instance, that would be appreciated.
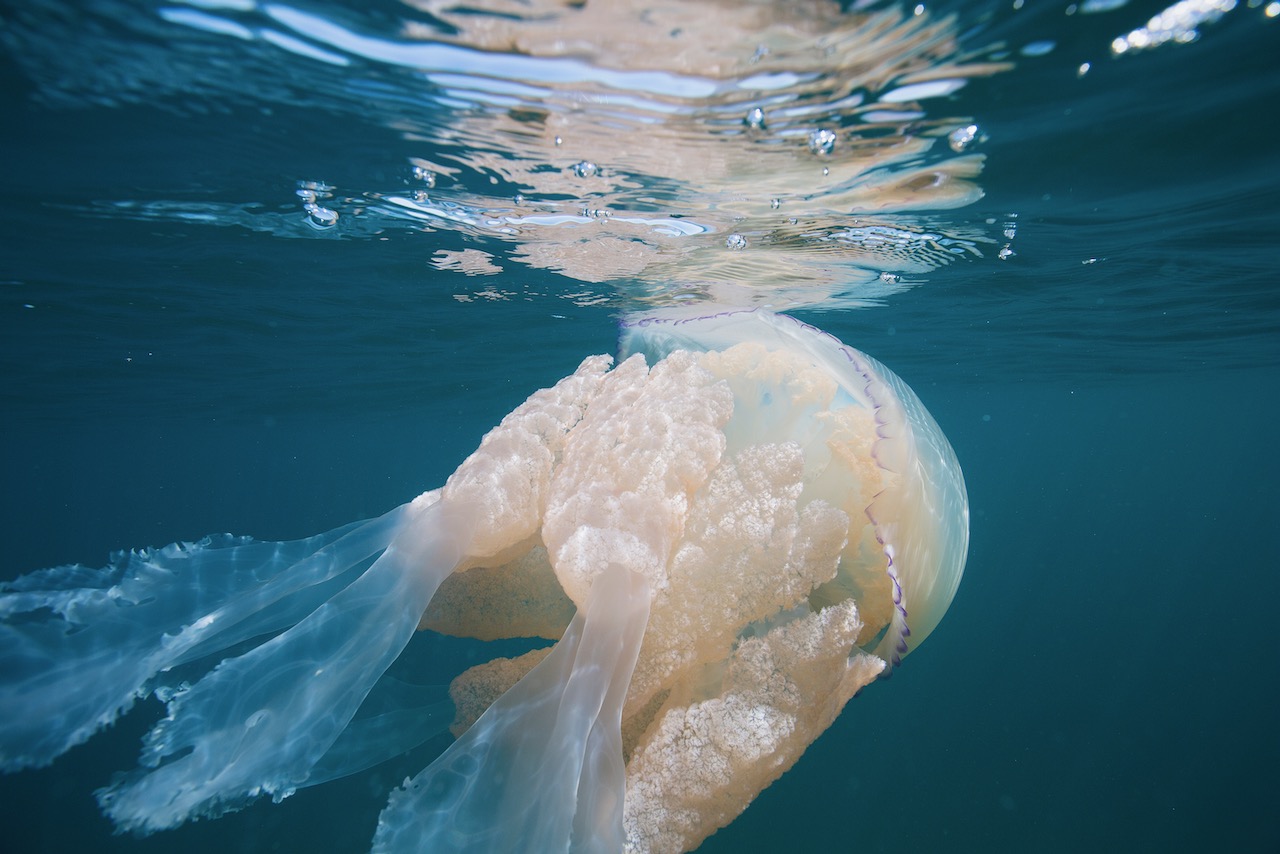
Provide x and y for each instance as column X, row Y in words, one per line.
column 735, row 241
column 822, row 141
column 961, row 138
column 424, row 175
column 1010, row 232
column 318, row 216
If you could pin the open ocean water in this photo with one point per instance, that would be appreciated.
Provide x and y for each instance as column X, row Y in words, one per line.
column 252, row 282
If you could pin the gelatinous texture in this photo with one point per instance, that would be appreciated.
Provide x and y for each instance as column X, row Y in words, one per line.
column 77, row 645
column 542, row 769
column 730, row 533
column 921, row 511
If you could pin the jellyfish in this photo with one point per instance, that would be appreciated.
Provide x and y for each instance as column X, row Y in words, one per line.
column 727, row 535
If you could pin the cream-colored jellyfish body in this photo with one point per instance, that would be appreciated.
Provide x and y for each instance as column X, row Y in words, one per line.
column 728, row 534
column 778, row 496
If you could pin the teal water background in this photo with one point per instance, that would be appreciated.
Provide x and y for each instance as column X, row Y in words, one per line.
column 1106, row 678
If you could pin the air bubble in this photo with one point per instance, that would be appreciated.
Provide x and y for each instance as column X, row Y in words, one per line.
column 1011, row 227
column 585, row 169
column 735, row 241
column 822, row 141
column 755, row 119
column 425, row 175
column 961, row 138
column 319, row 216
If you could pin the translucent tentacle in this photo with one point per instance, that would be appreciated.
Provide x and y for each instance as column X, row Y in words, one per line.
column 78, row 645
column 259, row 722
column 395, row 718
column 542, row 769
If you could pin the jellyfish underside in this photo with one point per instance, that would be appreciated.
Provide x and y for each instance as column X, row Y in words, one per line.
column 723, row 544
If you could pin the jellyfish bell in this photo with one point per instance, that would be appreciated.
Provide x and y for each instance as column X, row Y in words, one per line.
column 920, row 517
column 727, row 535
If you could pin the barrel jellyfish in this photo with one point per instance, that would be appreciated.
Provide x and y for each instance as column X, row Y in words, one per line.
column 727, row 535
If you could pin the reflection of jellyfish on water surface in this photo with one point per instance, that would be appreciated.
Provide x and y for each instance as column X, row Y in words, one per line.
column 729, row 533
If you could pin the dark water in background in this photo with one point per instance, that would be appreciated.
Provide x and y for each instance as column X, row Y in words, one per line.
column 1106, row 678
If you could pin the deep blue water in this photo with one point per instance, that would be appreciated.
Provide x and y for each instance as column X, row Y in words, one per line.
column 181, row 353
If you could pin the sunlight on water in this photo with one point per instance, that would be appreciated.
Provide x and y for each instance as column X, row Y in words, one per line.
column 697, row 148
column 1179, row 23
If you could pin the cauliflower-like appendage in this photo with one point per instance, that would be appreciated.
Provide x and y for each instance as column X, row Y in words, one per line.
column 504, row 483
column 704, row 761
column 750, row 550
column 649, row 440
